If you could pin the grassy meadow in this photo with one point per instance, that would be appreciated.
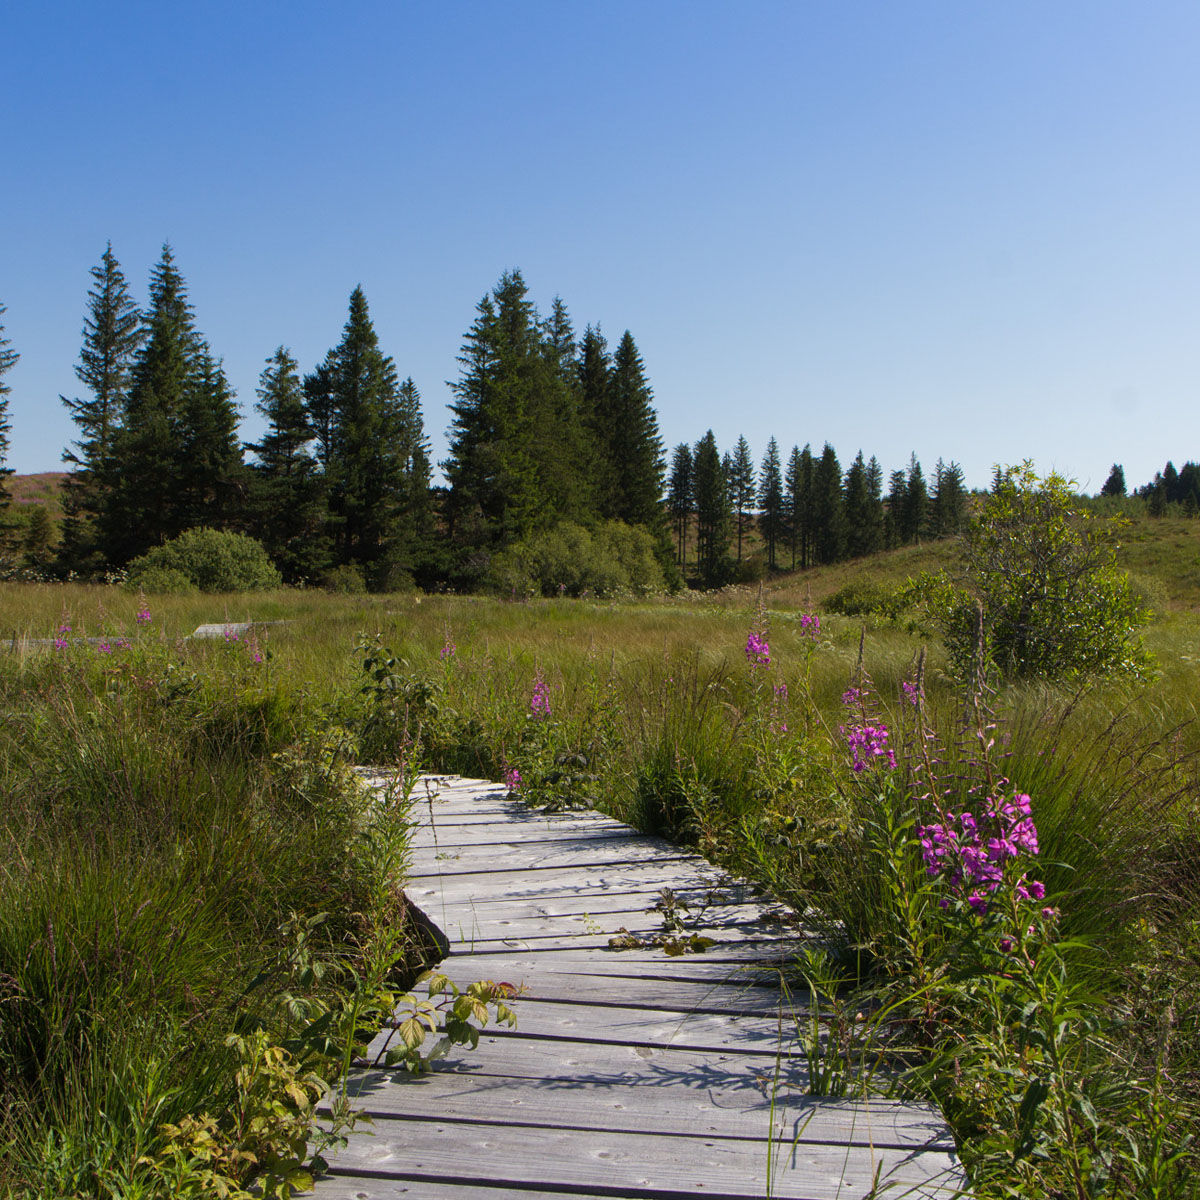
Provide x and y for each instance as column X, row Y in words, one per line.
column 201, row 909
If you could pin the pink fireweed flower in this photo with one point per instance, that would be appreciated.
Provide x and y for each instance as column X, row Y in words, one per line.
column 970, row 854
column 512, row 780
column 449, row 649
column 60, row 643
column 758, row 652
column 104, row 648
column 810, row 625
column 911, row 693
column 231, row 635
column 852, row 695
column 143, row 616
column 868, row 746
column 539, row 703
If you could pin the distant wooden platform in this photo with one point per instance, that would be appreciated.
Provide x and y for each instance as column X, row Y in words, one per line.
column 631, row 1073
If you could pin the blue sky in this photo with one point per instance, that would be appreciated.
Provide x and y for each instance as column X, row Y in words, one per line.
column 966, row 230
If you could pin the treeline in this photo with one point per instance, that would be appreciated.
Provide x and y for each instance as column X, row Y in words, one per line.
column 805, row 513
column 1170, row 493
column 548, row 429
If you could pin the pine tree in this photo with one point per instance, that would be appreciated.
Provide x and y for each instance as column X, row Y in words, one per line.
column 948, row 503
column 1114, row 485
column 367, row 435
column 8, row 360
column 864, row 524
column 634, row 447
column 593, row 374
column 175, row 462
column 916, row 504
column 112, row 335
column 800, row 505
column 710, row 489
column 742, row 492
column 829, row 519
column 287, row 495
column 894, row 517
column 516, row 452
column 770, row 501
column 680, row 498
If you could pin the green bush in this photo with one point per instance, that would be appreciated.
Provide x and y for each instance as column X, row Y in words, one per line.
column 1040, row 593
column 346, row 579
column 571, row 560
column 863, row 597
column 209, row 560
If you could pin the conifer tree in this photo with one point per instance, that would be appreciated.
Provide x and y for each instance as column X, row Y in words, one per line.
column 894, row 515
column 515, row 460
column 770, row 501
column 915, row 510
column 174, row 461
column 742, row 492
column 799, row 491
column 8, row 360
column 634, row 447
column 864, row 532
column 710, row 489
column 829, row 520
column 680, row 498
column 367, row 435
column 112, row 335
column 948, row 503
column 1114, row 485
column 287, row 494
column 593, row 370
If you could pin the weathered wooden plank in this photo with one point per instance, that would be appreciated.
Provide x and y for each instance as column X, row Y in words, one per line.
column 461, row 1152
column 738, row 965
column 542, row 856
column 702, row 907
column 680, row 875
column 729, row 1111
column 628, row 1026
column 360, row 1187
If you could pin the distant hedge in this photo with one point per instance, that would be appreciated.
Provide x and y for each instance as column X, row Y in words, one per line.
column 205, row 560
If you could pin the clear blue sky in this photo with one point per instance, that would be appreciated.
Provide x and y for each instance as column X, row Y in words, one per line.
column 968, row 230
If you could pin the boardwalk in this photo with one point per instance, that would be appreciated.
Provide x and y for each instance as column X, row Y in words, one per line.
column 631, row 1073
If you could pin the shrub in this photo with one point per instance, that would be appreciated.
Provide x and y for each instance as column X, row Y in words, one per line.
column 863, row 597
column 1040, row 592
column 210, row 560
column 346, row 579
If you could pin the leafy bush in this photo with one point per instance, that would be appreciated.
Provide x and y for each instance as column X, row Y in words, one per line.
column 346, row 579
column 1041, row 595
column 863, row 597
column 210, row 560
column 571, row 560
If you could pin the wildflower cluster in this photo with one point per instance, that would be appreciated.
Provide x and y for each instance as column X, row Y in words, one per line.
column 758, row 652
column 867, row 739
column 810, row 625
column 970, row 854
column 63, row 632
column 143, row 614
column 539, row 703
column 449, row 649
column 512, row 780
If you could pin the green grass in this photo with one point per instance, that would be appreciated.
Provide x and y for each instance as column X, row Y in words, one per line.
column 191, row 781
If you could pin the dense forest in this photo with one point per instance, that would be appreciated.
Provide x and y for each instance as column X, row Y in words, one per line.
column 556, row 477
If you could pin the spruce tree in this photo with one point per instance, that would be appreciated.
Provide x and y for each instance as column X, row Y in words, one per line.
column 680, row 497
column 829, row 520
column 799, row 483
column 1114, row 485
column 593, row 376
column 948, row 503
column 915, row 510
column 634, row 446
column 742, row 492
column 894, row 509
column 710, row 489
column 112, row 335
column 174, row 462
column 367, row 435
column 287, row 492
column 864, row 533
column 770, row 501
column 8, row 360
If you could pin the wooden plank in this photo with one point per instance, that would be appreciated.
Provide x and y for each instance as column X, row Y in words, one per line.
column 542, row 856
column 628, row 1026
column 565, row 879
column 728, row 1111
column 739, row 966
column 566, row 1159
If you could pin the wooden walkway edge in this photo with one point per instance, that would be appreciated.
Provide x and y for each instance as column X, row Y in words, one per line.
column 630, row 1073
